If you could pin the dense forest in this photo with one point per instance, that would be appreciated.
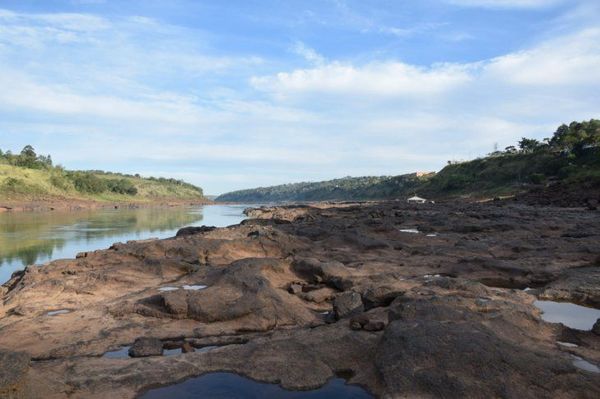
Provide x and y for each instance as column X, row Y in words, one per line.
column 29, row 175
column 571, row 156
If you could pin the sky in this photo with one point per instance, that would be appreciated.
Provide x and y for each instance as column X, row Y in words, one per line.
column 238, row 94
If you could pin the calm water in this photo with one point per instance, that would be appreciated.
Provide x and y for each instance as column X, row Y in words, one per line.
column 28, row 238
column 569, row 314
column 233, row 386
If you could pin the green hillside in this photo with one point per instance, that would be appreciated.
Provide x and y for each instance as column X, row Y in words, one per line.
column 569, row 159
column 27, row 177
column 347, row 188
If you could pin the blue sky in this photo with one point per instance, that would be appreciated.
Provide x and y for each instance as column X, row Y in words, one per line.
column 238, row 94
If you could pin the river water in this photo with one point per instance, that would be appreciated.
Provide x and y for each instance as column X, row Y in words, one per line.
column 28, row 238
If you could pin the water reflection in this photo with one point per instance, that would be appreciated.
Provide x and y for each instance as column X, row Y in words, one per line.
column 233, row 386
column 37, row 237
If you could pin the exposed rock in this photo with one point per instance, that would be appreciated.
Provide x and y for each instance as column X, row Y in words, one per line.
column 319, row 295
column 295, row 288
column 380, row 296
column 13, row 374
column 187, row 348
column 596, row 327
column 374, row 325
column 440, row 316
column 433, row 359
column 191, row 230
column 146, row 346
column 347, row 304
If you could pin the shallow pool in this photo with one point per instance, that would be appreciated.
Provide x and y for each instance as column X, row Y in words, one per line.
column 233, row 386
column 569, row 314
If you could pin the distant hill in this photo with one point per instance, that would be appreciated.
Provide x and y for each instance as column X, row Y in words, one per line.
column 566, row 165
column 344, row 189
column 30, row 177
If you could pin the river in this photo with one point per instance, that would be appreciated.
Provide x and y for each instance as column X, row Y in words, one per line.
column 28, row 238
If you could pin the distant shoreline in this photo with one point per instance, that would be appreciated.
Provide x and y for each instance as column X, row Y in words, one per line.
column 47, row 205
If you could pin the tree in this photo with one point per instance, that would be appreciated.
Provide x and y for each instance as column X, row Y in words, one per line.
column 528, row 145
column 27, row 158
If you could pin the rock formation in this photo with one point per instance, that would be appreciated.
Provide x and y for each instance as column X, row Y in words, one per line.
column 405, row 300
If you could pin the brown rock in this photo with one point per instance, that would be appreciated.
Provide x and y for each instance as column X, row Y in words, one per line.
column 13, row 372
column 146, row 346
column 295, row 288
column 318, row 296
column 374, row 325
column 187, row 348
column 347, row 304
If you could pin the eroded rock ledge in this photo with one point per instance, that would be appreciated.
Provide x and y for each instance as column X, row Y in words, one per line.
column 407, row 301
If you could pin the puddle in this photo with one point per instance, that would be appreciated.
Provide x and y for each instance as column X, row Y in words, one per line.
column 585, row 365
column 168, row 288
column 567, row 344
column 57, row 312
column 121, row 353
column 432, row 275
column 172, row 352
column 229, row 385
column 206, row 348
column 432, row 235
column 194, row 287
column 412, row 231
column 569, row 314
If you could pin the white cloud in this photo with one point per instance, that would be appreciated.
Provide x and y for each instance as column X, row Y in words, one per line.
column 570, row 60
column 132, row 93
column 308, row 53
column 378, row 78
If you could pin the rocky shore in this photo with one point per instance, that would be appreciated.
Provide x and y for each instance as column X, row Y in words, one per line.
column 407, row 301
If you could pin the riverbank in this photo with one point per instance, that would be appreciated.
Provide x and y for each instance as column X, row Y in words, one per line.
column 54, row 204
column 429, row 300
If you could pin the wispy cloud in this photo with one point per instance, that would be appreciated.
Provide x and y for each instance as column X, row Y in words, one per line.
column 506, row 3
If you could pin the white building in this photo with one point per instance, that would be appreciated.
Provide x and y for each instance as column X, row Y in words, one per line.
column 416, row 200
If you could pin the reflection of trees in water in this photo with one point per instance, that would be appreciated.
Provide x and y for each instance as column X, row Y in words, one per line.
column 31, row 236
column 30, row 254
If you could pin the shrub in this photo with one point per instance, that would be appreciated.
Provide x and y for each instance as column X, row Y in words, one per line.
column 59, row 181
column 536, row 178
column 88, row 183
column 122, row 186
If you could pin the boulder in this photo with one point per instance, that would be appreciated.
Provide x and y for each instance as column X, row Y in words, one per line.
column 295, row 288
column 347, row 304
column 374, row 325
column 333, row 273
column 146, row 346
column 359, row 321
column 175, row 302
column 191, row 230
column 380, row 296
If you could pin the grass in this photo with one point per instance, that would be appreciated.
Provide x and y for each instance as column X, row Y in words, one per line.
column 22, row 184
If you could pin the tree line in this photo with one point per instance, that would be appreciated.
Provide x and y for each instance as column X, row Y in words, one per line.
column 27, row 158
column 572, row 140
